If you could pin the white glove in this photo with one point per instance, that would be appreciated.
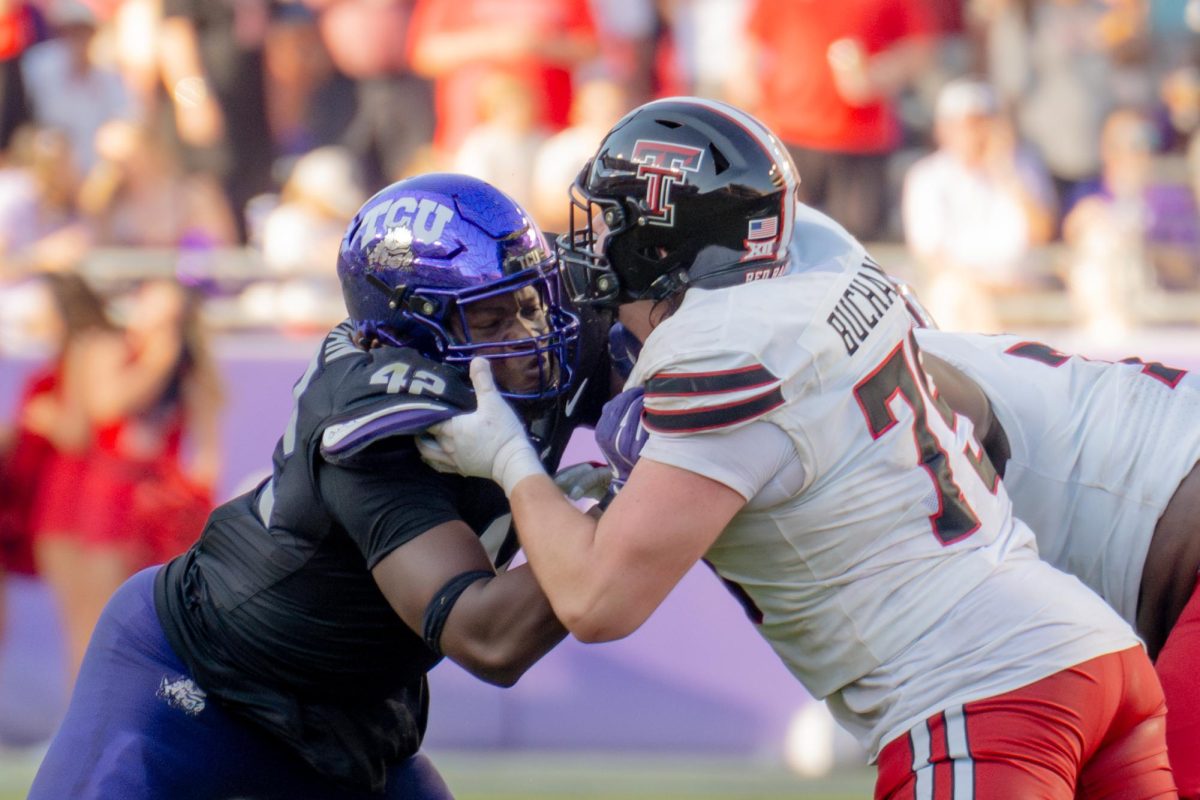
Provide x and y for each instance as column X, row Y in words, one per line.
column 490, row 442
column 584, row 480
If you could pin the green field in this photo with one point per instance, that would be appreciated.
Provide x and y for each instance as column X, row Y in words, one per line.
column 529, row 776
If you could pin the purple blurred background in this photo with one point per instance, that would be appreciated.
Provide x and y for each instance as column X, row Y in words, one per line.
column 696, row 677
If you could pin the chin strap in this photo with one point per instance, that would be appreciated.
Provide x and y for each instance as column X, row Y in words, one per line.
column 668, row 284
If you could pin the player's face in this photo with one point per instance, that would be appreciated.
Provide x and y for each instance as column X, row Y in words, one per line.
column 507, row 319
column 600, row 233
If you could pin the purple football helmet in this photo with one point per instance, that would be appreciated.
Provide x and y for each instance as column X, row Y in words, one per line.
column 424, row 249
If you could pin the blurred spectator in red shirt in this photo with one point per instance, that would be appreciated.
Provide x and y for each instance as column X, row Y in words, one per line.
column 25, row 453
column 829, row 73
column 78, row 323
column 127, row 499
column 459, row 43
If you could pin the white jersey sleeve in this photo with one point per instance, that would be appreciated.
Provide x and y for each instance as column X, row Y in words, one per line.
column 896, row 519
column 1098, row 449
column 758, row 461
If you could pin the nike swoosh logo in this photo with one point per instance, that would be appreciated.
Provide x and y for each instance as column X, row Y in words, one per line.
column 570, row 409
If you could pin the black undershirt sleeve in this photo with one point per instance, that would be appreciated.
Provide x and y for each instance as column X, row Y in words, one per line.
column 387, row 499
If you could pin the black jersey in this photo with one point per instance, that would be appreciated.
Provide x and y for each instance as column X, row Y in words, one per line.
column 275, row 610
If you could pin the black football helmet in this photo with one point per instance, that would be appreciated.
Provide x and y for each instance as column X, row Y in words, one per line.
column 682, row 192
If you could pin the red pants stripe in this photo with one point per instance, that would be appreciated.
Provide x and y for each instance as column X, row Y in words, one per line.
column 941, row 757
column 1094, row 731
column 1177, row 666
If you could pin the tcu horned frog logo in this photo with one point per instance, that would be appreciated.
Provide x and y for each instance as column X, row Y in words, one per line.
column 661, row 165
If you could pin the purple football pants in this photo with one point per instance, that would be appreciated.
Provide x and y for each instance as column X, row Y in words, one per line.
column 138, row 728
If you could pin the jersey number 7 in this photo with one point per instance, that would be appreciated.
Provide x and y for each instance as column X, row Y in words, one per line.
column 895, row 377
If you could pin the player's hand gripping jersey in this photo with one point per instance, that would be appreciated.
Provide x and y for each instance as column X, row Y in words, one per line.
column 873, row 526
column 1097, row 449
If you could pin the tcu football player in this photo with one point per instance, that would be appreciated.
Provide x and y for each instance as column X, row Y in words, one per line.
column 285, row 654
column 793, row 443
column 1101, row 460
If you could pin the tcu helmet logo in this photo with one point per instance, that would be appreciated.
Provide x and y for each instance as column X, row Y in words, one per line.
column 662, row 164
column 405, row 220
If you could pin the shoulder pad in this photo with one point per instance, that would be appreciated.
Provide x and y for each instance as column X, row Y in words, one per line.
column 403, row 394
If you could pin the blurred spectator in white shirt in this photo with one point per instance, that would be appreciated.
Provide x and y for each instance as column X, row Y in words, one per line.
column 66, row 89
column 39, row 227
column 301, row 235
column 974, row 209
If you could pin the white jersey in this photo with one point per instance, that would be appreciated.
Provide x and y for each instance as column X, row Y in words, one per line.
column 1098, row 449
column 892, row 578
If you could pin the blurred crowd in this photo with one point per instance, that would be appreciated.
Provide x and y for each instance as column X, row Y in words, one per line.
column 1009, row 146
column 975, row 132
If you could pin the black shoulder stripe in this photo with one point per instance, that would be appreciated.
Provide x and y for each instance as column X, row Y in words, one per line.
column 670, row 384
column 703, row 419
column 1038, row 352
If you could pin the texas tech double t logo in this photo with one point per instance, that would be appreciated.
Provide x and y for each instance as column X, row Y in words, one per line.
column 662, row 164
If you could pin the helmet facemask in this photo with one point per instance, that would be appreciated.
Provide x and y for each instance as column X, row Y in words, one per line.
column 438, row 322
column 583, row 252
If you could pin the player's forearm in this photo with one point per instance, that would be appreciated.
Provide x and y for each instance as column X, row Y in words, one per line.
column 560, row 542
column 890, row 71
column 500, row 627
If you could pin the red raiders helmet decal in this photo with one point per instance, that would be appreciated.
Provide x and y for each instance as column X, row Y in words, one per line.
column 662, row 164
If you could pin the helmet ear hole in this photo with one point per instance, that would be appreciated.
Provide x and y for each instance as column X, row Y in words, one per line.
column 658, row 253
